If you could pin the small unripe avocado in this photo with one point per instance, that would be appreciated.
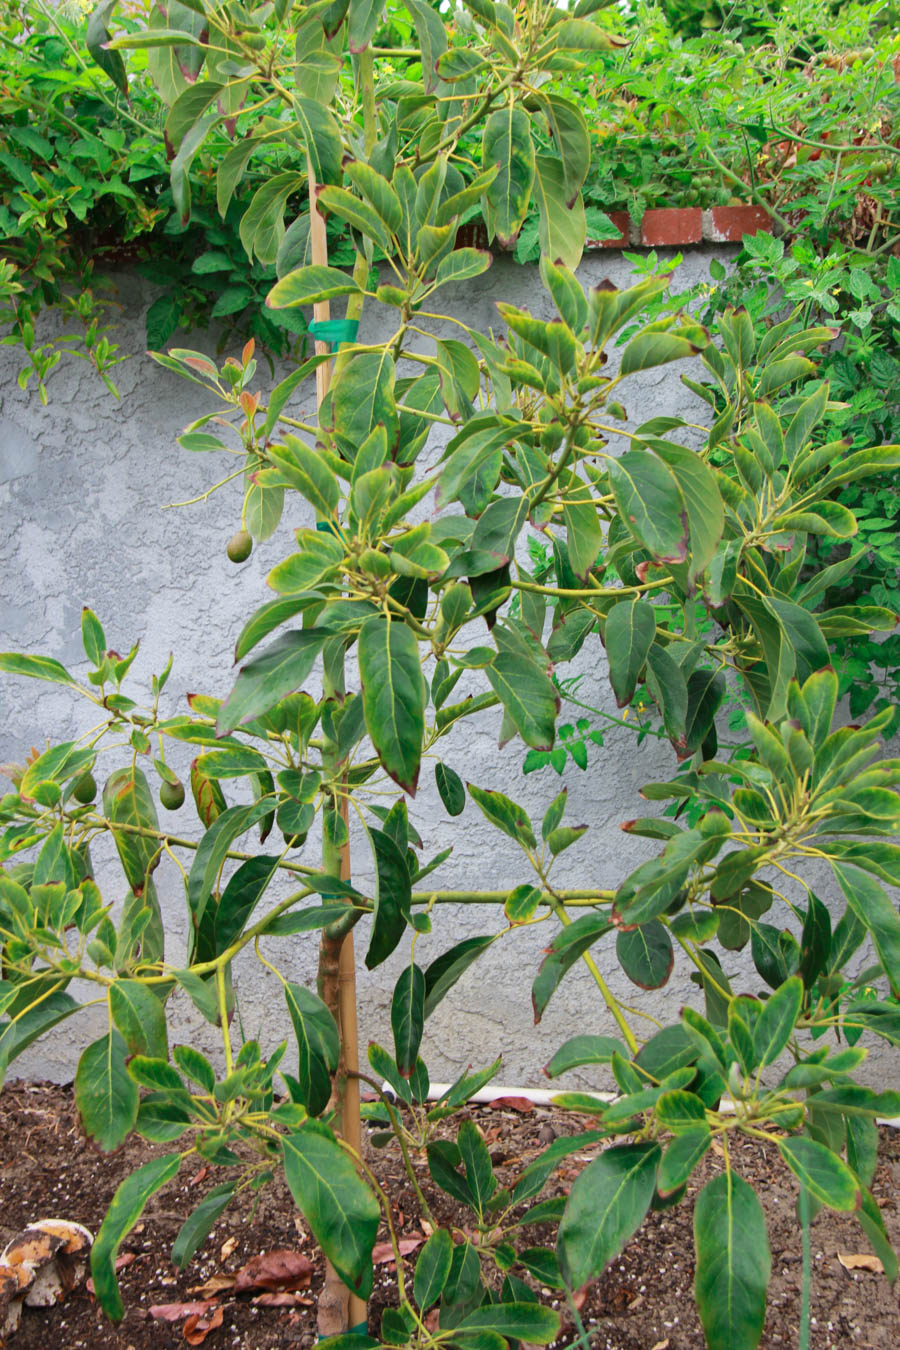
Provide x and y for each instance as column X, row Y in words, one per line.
column 240, row 546
column 85, row 789
column 171, row 795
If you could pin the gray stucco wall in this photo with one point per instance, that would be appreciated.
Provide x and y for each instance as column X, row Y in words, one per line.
column 85, row 484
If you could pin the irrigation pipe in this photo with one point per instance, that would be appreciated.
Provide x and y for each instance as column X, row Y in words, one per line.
column 547, row 1097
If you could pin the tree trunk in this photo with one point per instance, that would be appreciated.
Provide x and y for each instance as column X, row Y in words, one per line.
column 338, row 1309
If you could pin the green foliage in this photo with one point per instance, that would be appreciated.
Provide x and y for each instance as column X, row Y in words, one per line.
column 340, row 1209
column 733, row 1262
column 85, row 185
column 751, row 109
column 824, row 280
column 682, row 563
column 603, row 136
column 127, row 1206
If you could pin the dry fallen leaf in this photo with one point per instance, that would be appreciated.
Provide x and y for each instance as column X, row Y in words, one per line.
column 661, row 1345
column 278, row 1269
column 431, row 1320
column 196, row 1329
column 216, row 1284
column 282, row 1300
column 860, row 1261
column 227, row 1248
column 383, row 1251
column 174, row 1312
column 520, row 1104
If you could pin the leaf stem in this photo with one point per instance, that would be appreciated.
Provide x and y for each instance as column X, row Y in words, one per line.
column 594, row 591
column 176, row 841
column 609, row 997
column 576, row 899
column 223, row 1017
column 399, row 1132
column 806, row 1272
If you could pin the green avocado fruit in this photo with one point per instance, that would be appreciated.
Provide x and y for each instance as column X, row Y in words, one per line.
column 240, row 546
column 171, row 795
column 85, row 789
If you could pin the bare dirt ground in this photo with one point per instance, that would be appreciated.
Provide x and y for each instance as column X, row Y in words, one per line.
column 643, row 1301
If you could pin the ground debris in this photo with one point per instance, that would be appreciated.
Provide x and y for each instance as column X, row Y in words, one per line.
column 643, row 1301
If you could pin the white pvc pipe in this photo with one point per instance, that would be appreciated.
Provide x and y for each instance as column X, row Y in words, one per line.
column 546, row 1097
column 540, row 1096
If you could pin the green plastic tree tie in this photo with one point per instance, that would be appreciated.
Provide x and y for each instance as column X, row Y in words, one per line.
column 334, row 331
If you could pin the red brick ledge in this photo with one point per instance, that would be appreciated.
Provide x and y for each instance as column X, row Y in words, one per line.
column 664, row 227
column 674, row 226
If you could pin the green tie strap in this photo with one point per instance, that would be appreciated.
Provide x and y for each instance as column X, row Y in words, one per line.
column 334, row 331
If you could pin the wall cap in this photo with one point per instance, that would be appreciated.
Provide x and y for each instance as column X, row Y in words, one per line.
column 668, row 227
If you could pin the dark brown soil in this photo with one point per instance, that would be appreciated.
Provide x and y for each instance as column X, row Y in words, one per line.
column 643, row 1301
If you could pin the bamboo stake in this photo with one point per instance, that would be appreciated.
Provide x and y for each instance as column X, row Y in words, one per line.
column 338, row 1300
column 351, row 1124
column 319, row 242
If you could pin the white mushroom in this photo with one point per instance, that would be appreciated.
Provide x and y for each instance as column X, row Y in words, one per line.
column 69, row 1263
column 40, row 1266
column 14, row 1280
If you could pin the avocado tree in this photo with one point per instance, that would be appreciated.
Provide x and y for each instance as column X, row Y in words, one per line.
column 688, row 566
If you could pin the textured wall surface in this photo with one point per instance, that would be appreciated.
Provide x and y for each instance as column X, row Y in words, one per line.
column 86, row 484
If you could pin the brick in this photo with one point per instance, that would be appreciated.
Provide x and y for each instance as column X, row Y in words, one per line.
column 731, row 223
column 622, row 221
column 472, row 235
column 672, row 226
